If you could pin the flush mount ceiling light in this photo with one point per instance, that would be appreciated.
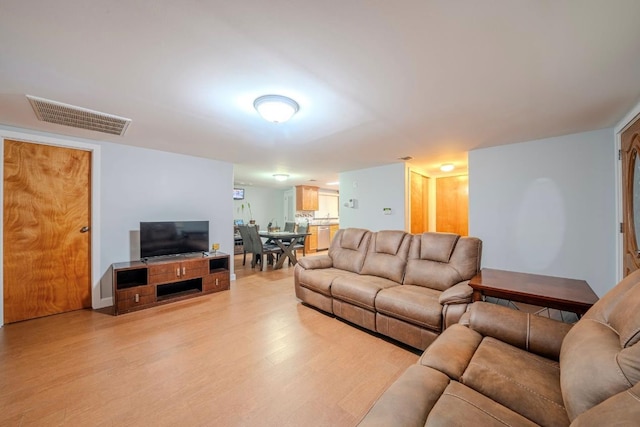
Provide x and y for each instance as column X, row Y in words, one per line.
column 276, row 108
column 281, row 176
column 447, row 167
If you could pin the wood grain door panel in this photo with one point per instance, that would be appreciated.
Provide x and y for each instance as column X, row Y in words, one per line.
column 419, row 188
column 452, row 204
column 630, row 156
column 46, row 205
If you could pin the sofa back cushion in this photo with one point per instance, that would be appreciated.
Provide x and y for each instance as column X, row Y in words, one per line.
column 348, row 248
column 600, row 356
column 387, row 255
column 440, row 260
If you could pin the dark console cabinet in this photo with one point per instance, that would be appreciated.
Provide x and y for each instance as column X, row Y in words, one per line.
column 138, row 285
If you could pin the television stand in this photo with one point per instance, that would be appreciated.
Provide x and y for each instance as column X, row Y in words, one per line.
column 149, row 282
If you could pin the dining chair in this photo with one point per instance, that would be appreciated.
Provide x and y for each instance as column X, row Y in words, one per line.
column 302, row 228
column 247, row 244
column 290, row 227
column 259, row 250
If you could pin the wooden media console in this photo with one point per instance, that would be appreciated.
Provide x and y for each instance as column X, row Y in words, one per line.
column 143, row 284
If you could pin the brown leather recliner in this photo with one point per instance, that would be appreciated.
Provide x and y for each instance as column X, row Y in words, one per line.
column 408, row 287
column 504, row 367
column 313, row 276
column 434, row 292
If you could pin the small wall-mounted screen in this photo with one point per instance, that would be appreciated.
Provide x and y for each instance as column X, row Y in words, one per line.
column 238, row 193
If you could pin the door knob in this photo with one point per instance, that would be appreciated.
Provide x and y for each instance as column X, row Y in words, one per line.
column 84, row 229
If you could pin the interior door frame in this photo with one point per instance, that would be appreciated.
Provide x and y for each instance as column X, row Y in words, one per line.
column 96, row 299
column 627, row 121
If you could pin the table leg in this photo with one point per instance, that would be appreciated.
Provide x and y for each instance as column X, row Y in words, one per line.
column 477, row 296
column 287, row 252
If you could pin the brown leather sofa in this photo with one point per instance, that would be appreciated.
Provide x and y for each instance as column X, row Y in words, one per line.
column 408, row 287
column 501, row 367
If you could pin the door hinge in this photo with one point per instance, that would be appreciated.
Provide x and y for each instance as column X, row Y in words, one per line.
column 619, row 154
column 622, row 227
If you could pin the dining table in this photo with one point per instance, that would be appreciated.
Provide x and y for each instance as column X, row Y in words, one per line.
column 285, row 240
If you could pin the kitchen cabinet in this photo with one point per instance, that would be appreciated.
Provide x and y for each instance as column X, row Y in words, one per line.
column 311, row 242
column 333, row 229
column 306, row 198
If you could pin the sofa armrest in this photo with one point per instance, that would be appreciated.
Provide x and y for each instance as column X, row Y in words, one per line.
column 316, row 262
column 527, row 331
column 457, row 294
column 622, row 409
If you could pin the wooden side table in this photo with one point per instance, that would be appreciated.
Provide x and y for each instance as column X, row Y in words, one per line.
column 571, row 295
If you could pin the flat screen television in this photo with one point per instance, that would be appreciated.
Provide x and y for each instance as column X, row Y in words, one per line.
column 173, row 238
column 238, row 194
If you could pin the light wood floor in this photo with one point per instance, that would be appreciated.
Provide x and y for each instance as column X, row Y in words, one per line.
column 251, row 356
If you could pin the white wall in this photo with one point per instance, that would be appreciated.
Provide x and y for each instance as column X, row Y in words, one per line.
column 374, row 189
column 267, row 204
column 547, row 207
column 147, row 185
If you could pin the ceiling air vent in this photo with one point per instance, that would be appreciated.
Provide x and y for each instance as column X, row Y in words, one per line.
column 77, row 117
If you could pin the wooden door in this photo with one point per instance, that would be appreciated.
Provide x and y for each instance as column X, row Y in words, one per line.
column 630, row 149
column 419, row 199
column 452, row 204
column 46, row 219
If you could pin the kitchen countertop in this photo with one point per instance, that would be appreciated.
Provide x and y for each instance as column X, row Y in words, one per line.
column 331, row 221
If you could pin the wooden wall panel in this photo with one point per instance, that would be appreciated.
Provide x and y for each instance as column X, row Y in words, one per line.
column 452, row 204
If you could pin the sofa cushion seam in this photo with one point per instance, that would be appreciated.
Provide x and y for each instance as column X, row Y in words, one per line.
column 529, row 355
column 478, row 407
column 517, row 383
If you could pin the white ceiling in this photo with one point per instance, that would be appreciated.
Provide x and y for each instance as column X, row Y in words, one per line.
column 376, row 80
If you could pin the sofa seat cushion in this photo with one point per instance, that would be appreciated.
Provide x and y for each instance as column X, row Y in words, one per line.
column 462, row 406
column 523, row 382
column 413, row 304
column 360, row 290
column 321, row 280
column 422, row 396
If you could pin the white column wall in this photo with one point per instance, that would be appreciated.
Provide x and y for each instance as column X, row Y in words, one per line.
column 373, row 190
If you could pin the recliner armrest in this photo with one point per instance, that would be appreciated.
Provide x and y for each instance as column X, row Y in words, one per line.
column 316, row 262
column 623, row 408
column 527, row 331
column 457, row 294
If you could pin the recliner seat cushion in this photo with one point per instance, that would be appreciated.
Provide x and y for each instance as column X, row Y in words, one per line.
column 462, row 406
column 321, row 280
column 360, row 290
column 413, row 304
column 523, row 382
